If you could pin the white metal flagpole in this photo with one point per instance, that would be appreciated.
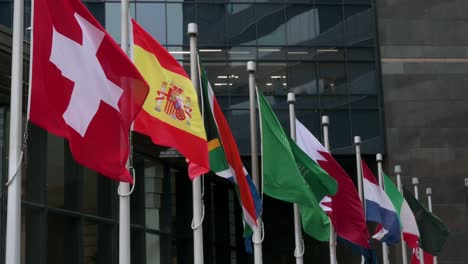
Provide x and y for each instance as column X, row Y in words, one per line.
column 429, row 204
column 404, row 253
column 299, row 250
column 124, row 200
column 332, row 242
column 258, row 232
column 197, row 224
column 357, row 144
column 381, row 183
column 13, row 227
column 415, row 182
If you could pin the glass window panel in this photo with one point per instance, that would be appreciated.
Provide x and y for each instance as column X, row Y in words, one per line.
column 178, row 16
column 241, row 133
column 330, row 24
column 112, row 21
column 271, row 53
column 211, row 24
column 90, row 242
column 180, row 54
column 55, row 169
column 6, row 11
column 330, row 54
column 242, row 53
column 302, row 78
column 98, row 11
column 311, row 120
column 332, row 78
column 271, row 28
column 365, row 123
column 240, row 85
column 334, row 102
column 356, row 2
column 302, row 24
column 360, row 102
column 360, row 54
column 359, row 26
column 215, row 53
column 152, row 17
column 91, row 191
column 64, row 239
column 271, row 77
column 220, row 80
column 362, row 78
column 340, row 131
column 241, row 29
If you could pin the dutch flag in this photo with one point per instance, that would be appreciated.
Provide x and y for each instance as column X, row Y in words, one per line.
column 380, row 209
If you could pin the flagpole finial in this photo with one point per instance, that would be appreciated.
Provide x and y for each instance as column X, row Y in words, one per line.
column 251, row 66
column 415, row 181
column 291, row 98
column 397, row 169
column 357, row 140
column 192, row 29
column 378, row 157
column 325, row 120
column 428, row 191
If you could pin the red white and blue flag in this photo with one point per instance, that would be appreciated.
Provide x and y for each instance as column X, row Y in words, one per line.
column 380, row 209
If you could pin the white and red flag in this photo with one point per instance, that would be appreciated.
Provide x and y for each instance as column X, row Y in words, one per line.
column 345, row 208
column 84, row 87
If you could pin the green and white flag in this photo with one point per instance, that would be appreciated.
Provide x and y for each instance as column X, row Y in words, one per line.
column 291, row 176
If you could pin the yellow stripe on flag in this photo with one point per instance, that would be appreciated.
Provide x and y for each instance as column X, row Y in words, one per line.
column 172, row 97
column 212, row 144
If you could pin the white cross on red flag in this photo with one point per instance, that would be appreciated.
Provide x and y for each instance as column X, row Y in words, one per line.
column 84, row 87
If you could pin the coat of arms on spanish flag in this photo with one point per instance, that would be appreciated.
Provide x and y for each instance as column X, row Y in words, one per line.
column 170, row 114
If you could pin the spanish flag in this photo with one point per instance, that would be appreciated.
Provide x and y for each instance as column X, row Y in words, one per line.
column 170, row 114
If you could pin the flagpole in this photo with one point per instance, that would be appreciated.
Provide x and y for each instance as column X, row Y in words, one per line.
column 124, row 200
column 415, row 182
column 13, row 227
column 197, row 224
column 404, row 253
column 299, row 250
column 332, row 242
column 257, row 236
column 357, row 144
column 379, row 166
column 429, row 204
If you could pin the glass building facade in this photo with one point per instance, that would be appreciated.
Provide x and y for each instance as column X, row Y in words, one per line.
column 326, row 51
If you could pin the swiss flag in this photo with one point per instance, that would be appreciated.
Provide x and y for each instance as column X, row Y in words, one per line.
column 84, row 87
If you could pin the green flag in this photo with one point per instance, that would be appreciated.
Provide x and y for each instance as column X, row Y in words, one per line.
column 291, row 176
column 432, row 230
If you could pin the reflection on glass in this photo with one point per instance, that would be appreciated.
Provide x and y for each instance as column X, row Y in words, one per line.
column 362, row 79
column 271, row 29
column 55, row 169
column 302, row 78
column 211, row 24
column 178, row 16
column 152, row 17
column 332, row 78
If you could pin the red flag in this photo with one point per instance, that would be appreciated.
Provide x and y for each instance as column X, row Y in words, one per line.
column 84, row 87
column 428, row 258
